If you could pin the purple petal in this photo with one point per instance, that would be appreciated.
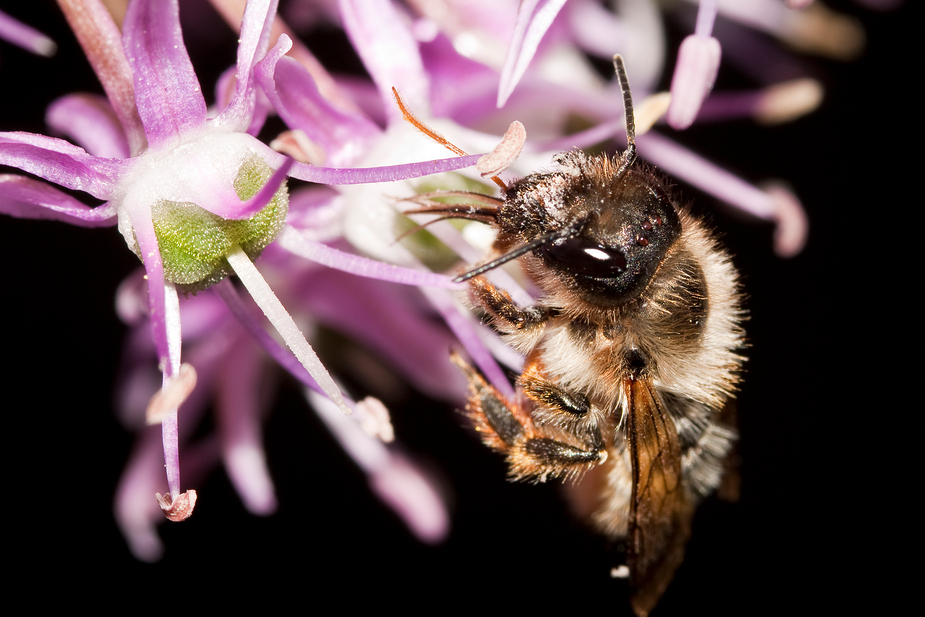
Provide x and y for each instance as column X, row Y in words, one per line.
column 389, row 51
column 316, row 212
column 460, row 88
column 293, row 241
column 461, row 322
column 165, row 327
column 595, row 28
column 102, row 42
column 26, row 37
column 792, row 222
column 136, row 512
column 776, row 205
column 398, row 326
column 245, row 209
column 694, row 76
column 778, row 103
column 89, row 120
column 167, row 91
column 61, row 162
column 345, row 137
column 255, row 36
column 30, row 199
column 705, row 175
column 239, row 405
column 706, row 17
column 405, row 488
column 533, row 20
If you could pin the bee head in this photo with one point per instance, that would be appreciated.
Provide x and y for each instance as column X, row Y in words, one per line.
column 600, row 226
column 602, row 229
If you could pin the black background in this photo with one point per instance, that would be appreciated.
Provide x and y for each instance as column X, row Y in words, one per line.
column 800, row 539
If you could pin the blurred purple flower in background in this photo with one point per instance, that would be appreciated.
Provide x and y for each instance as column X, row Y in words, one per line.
column 26, row 37
column 330, row 255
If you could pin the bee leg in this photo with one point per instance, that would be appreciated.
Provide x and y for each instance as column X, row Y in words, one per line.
column 508, row 428
column 506, row 315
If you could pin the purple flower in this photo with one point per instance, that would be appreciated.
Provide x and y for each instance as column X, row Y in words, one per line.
column 195, row 198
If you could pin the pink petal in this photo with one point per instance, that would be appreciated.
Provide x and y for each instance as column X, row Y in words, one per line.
column 694, row 76
column 389, row 51
column 255, row 36
column 776, row 205
column 136, row 511
column 30, row 199
column 396, row 325
column 89, row 120
column 61, row 162
column 533, row 20
column 167, row 91
column 239, row 409
column 345, row 137
column 463, row 325
column 409, row 493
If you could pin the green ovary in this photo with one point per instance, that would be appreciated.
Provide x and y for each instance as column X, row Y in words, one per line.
column 194, row 242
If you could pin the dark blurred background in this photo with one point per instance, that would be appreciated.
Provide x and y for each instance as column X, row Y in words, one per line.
column 803, row 537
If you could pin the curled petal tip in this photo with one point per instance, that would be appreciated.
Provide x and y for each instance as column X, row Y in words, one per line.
column 505, row 153
column 792, row 222
column 178, row 509
column 411, row 495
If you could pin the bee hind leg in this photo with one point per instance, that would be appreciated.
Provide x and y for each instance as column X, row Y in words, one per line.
column 507, row 427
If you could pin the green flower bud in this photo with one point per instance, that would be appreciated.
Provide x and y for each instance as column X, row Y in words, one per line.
column 194, row 242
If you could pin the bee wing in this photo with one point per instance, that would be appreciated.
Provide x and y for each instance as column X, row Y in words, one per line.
column 660, row 511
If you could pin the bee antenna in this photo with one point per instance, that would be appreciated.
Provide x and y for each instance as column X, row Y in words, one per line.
column 629, row 155
column 521, row 250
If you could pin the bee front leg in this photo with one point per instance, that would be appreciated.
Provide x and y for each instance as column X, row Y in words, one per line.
column 505, row 315
column 532, row 450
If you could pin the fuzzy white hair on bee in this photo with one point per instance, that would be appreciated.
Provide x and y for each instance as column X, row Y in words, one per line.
column 632, row 347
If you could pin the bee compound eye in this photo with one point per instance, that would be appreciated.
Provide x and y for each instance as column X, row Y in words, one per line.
column 586, row 257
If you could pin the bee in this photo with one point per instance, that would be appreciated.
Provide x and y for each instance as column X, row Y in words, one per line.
column 631, row 350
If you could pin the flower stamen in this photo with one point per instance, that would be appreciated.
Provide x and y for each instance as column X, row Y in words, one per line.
column 281, row 319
